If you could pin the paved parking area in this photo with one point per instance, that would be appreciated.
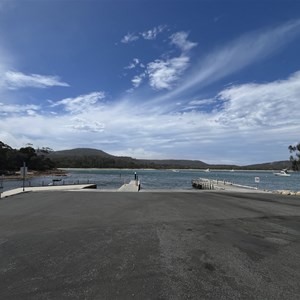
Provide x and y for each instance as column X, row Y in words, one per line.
column 97, row 245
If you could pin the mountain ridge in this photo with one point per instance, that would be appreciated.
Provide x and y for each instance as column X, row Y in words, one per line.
column 93, row 158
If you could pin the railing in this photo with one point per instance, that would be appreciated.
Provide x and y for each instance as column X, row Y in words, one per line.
column 202, row 184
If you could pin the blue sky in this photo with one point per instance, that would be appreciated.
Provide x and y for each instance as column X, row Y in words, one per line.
column 217, row 81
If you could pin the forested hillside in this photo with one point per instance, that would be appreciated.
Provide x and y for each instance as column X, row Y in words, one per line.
column 12, row 159
column 92, row 158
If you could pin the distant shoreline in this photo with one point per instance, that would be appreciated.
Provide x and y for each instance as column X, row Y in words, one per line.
column 34, row 174
column 65, row 171
column 171, row 169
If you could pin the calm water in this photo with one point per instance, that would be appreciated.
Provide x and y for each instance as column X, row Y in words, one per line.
column 164, row 179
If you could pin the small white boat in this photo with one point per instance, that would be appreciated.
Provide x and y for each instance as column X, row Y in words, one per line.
column 207, row 170
column 283, row 172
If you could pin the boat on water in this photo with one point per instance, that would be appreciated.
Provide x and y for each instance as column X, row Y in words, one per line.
column 207, row 170
column 283, row 172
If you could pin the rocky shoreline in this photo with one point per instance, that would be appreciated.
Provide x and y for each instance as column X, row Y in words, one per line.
column 287, row 192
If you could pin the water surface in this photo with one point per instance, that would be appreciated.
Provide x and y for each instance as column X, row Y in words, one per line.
column 163, row 179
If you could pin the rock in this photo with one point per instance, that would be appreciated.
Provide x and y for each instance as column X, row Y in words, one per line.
column 278, row 192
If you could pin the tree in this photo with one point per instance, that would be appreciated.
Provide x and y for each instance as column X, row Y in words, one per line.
column 12, row 159
column 4, row 151
column 295, row 159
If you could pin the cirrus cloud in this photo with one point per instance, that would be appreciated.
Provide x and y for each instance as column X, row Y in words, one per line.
column 153, row 33
column 129, row 37
column 80, row 103
column 15, row 80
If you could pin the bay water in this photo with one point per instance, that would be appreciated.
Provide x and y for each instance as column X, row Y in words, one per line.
column 162, row 179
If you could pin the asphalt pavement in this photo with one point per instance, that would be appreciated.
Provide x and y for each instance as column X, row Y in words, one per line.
column 105, row 245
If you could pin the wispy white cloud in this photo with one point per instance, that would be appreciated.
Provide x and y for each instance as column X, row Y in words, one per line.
column 150, row 34
column 80, row 103
column 164, row 73
column 135, row 62
column 15, row 80
column 153, row 33
column 180, row 39
column 237, row 55
column 202, row 102
column 81, row 124
column 29, row 109
column 137, row 80
column 129, row 37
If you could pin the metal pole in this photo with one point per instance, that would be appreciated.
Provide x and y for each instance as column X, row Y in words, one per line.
column 24, row 166
column 1, row 185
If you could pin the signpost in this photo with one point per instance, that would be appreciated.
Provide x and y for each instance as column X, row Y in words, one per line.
column 23, row 171
column 257, row 180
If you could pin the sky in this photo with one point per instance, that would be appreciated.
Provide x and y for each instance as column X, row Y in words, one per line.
column 217, row 81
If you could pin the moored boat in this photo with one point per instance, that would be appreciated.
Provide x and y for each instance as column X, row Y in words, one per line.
column 283, row 172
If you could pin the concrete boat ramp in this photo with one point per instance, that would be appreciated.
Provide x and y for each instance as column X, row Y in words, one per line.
column 132, row 186
column 48, row 188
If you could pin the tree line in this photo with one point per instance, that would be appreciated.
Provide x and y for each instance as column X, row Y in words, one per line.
column 12, row 159
column 295, row 159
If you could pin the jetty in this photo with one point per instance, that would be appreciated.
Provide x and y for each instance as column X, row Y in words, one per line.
column 222, row 185
column 132, row 186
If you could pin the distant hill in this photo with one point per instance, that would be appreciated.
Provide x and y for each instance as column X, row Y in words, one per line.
column 89, row 158
column 175, row 163
column 80, row 152
column 93, row 158
column 276, row 165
